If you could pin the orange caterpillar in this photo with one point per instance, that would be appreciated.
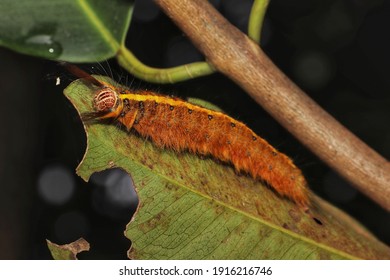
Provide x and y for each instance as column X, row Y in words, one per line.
column 182, row 126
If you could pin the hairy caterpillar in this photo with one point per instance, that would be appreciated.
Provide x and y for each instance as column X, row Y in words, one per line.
column 182, row 126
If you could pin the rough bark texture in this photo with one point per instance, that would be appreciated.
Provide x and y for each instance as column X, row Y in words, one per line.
column 242, row 60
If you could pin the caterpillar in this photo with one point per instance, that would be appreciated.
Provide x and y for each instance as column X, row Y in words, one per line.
column 182, row 126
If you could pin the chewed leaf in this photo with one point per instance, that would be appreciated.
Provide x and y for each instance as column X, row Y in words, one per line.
column 67, row 251
column 197, row 208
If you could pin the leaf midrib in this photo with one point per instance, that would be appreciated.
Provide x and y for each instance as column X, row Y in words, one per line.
column 96, row 21
column 257, row 219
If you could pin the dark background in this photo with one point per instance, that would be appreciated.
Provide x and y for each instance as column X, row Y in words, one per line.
column 335, row 50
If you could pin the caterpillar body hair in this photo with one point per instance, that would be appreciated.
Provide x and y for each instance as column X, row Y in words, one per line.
column 182, row 126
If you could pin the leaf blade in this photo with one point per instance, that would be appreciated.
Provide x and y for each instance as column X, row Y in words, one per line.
column 67, row 251
column 75, row 31
column 192, row 207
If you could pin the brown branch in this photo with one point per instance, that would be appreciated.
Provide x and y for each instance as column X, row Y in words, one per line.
column 239, row 58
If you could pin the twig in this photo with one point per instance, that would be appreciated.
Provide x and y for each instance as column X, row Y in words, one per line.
column 161, row 75
column 241, row 59
column 256, row 19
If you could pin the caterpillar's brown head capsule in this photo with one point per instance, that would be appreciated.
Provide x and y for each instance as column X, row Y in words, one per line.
column 105, row 100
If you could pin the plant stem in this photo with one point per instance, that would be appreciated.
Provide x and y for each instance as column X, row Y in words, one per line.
column 256, row 19
column 160, row 75
column 238, row 57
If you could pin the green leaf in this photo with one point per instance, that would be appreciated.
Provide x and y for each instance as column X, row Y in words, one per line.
column 204, row 104
column 69, row 30
column 67, row 251
column 196, row 208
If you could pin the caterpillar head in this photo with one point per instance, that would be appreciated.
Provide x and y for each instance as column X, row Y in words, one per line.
column 105, row 100
column 106, row 104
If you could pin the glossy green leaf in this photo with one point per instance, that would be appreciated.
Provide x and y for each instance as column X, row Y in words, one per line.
column 196, row 208
column 69, row 30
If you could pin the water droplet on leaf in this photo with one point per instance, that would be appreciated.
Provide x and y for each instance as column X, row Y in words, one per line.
column 43, row 45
